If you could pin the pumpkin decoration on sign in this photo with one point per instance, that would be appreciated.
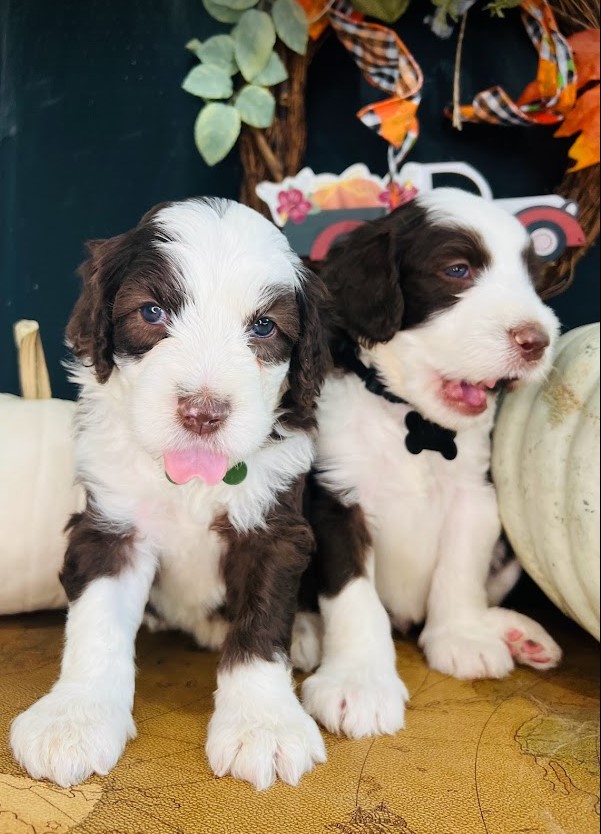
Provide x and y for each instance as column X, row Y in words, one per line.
column 546, row 472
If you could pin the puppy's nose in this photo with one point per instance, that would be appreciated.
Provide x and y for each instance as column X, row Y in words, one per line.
column 531, row 340
column 202, row 415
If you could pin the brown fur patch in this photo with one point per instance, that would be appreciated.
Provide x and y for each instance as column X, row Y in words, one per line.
column 132, row 335
column 535, row 267
column 423, row 259
column 284, row 312
column 390, row 274
column 130, row 263
column 92, row 552
column 310, row 357
column 342, row 540
column 262, row 571
column 363, row 279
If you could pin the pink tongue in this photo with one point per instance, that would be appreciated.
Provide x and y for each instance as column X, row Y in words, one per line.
column 182, row 466
column 472, row 395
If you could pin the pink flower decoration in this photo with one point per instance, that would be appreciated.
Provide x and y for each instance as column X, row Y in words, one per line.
column 396, row 195
column 292, row 203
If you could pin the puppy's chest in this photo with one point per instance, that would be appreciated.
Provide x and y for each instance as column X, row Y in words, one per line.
column 383, row 456
column 189, row 553
column 381, row 451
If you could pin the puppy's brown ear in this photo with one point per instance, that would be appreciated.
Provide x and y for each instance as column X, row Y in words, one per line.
column 362, row 274
column 310, row 356
column 89, row 331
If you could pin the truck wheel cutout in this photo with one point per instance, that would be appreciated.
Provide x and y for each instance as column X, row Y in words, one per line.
column 548, row 239
column 324, row 240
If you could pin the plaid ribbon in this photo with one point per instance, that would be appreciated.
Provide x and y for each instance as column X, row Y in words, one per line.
column 387, row 64
column 547, row 99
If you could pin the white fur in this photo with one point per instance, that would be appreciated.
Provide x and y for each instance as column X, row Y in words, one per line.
column 82, row 725
column 433, row 522
column 306, row 643
column 356, row 690
column 259, row 731
column 229, row 267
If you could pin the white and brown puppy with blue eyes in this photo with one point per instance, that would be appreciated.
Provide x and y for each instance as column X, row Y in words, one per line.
column 437, row 311
column 199, row 354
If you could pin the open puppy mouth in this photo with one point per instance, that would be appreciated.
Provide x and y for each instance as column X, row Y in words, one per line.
column 472, row 397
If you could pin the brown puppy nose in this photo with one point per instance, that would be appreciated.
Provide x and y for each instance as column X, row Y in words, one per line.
column 531, row 340
column 202, row 415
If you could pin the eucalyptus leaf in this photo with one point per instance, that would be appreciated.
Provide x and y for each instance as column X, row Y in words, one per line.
column 194, row 45
column 291, row 24
column 221, row 13
column 273, row 73
column 256, row 106
column 388, row 11
column 254, row 37
column 237, row 5
column 208, row 81
column 216, row 130
column 219, row 51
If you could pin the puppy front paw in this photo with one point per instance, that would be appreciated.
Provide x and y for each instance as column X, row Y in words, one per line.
column 70, row 734
column 358, row 701
column 259, row 732
column 467, row 652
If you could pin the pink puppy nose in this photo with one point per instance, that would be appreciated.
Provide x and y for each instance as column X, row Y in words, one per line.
column 202, row 415
column 531, row 340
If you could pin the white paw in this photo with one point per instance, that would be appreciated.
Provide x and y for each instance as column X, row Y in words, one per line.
column 259, row 731
column 357, row 701
column 307, row 634
column 527, row 641
column 467, row 652
column 68, row 735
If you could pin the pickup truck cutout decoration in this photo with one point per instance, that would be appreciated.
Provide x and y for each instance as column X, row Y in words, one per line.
column 314, row 210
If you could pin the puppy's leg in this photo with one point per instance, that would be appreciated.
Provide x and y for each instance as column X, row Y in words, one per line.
column 259, row 731
column 82, row 725
column 356, row 690
column 307, row 640
column 459, row 639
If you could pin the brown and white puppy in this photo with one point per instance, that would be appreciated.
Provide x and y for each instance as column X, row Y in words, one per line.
column 199, row 354
column 437, row 311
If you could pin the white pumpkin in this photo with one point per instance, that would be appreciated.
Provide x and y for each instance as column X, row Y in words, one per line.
column 37, row 497
column 546, row 471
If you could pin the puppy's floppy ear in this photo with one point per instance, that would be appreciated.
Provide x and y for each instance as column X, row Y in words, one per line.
column 89, row 331
column 310, row 356
column 90, row 328
column 363, row 272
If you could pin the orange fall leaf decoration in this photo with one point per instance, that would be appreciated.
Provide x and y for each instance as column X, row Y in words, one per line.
column 584, row 116
column 316, row 11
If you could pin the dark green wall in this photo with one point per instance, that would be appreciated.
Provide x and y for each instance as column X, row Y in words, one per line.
column 94, row 129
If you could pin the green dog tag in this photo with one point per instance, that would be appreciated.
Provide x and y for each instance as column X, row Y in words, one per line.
column 236, row 474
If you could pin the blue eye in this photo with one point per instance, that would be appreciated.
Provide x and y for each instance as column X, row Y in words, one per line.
column 458, row 271
column 263, row 328
column 153, row 314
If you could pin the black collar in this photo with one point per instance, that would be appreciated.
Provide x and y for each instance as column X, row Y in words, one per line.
column 347, row 355
column 421, row 433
